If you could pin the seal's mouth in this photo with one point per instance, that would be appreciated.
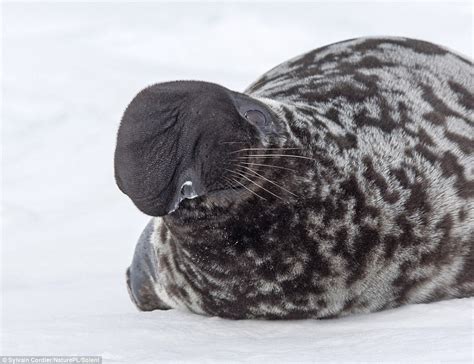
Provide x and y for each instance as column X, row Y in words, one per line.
column 224, row 188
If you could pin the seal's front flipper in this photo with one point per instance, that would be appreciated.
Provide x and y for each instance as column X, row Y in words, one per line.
column 142, row 274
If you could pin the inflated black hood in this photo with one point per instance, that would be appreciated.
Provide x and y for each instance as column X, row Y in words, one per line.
column 176, row 139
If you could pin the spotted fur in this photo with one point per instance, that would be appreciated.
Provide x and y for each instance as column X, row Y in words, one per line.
column 384, row 209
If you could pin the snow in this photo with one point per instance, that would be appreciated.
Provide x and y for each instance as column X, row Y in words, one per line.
column 68, row 234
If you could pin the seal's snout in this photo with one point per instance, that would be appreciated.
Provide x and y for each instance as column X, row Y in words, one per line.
column 176, row 138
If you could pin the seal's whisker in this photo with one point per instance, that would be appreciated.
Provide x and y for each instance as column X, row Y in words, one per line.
column 248, row 189
column 232, row 142
column 229, row 183
column 263, row 149
column 246, row 176
column 256, row 184
column 274, row 155
column 267, row 165
column 245, row 173
column 270, row 181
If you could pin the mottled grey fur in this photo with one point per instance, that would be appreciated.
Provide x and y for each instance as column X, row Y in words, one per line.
column 383, row 213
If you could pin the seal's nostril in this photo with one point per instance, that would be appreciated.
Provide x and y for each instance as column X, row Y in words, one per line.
column 187, row 190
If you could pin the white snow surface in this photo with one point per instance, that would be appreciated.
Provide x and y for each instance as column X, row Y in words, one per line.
column 68, row 234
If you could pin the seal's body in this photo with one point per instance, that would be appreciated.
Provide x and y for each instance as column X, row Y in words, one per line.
column 342, row 182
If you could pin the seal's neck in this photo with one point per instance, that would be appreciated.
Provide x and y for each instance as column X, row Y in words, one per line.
column 198, row 216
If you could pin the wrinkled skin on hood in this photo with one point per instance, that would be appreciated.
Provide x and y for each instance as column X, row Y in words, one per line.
column 177, row 139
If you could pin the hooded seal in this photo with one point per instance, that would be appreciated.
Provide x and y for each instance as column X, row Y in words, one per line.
column 339, row 182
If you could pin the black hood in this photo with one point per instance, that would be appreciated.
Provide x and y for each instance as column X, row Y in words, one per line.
column 176, row 139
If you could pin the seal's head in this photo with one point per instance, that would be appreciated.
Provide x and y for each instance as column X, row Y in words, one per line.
column 176, row 140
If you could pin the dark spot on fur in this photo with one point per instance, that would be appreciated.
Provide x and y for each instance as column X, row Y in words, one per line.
column 385, row 122
column 425, row 138
column 419, row 201
column 440, row 109
column 465, row 275
column 434, row 117
column 333, row 115
column 350, row 305
column 450, row 166
column 391, row 244
column 401, row 176
column 418, row 46
column 445, row 225
column 349, row 91
column 341, row 246
column 464, row 143
column 426, row 153
column 344, row 142
column 163, row 263
column 465, row 189
column 407, row 236
column 364, row 242
column 403, row 111
column 378, row 179
column 350, row 189
column 163, row 232
column 373, row 62
column 465, row 97
column 405, row 283
column 322, row 303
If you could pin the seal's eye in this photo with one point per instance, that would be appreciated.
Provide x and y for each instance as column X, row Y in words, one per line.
column 256, row 117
